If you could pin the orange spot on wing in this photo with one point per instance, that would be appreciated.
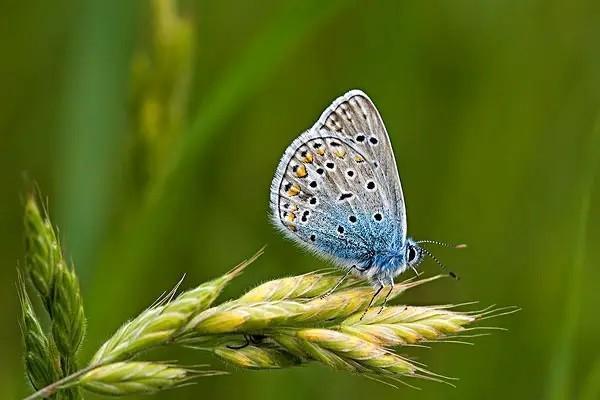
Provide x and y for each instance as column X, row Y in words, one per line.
column 340, row 153
column 301, row 171
column 294, row 190
column 307, row 158
column 290, row 217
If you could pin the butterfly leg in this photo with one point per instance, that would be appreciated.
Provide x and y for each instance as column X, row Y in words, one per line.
column 387, row 296
column 372, row 299
column 238, row 347
column 257, row 339
column 333, row 289
column 415, row 271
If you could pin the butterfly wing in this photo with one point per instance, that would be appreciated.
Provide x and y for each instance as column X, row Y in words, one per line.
column 355, row 117
column 339, row 193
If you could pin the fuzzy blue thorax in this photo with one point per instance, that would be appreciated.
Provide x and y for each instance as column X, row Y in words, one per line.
column 375, row 247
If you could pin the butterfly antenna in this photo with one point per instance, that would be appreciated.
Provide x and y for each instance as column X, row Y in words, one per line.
column 438, row 262
column 454, row 246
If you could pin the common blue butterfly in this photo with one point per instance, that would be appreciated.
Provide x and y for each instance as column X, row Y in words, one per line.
column 337, row 192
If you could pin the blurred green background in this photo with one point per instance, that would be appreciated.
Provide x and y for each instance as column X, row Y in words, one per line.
column 154, row 127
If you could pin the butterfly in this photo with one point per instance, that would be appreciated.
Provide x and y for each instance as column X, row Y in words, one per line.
column 337, row 192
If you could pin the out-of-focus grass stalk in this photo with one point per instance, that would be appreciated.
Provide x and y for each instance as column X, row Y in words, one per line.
column 254, row 66
column 591, row 387
column 561, row 365
column 90, row 136
column 161, row 76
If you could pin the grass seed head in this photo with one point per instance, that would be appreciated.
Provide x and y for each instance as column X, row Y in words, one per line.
column 293, row 287
column 366, row 356
column 398, row 325
column 234, row 317
column 66, row 310
column 41, row 362
column 42, row 250
column 135, row 377
column 159, row 324
column 257, row 357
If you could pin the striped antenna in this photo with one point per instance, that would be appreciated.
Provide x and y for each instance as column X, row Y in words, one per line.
column 454, row 246
column 438, row 262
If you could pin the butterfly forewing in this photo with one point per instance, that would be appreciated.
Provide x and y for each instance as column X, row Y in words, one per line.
column 355, row 117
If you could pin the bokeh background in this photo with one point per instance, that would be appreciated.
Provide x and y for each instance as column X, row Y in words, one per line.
column 154, row 127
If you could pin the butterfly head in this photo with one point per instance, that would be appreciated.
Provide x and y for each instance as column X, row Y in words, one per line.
column 415, row 253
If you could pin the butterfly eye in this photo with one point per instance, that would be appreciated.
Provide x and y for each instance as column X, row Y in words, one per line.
column 412, row 253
